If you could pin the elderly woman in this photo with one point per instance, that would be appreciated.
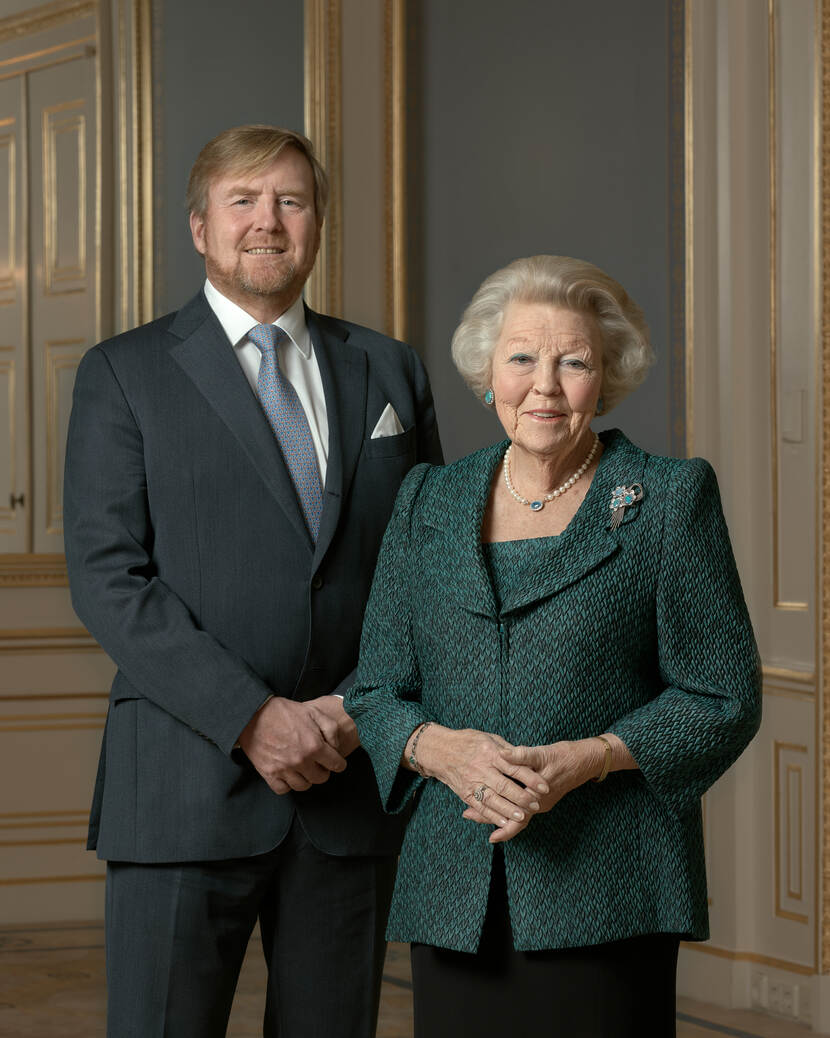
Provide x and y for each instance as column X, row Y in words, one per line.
column 556, row 663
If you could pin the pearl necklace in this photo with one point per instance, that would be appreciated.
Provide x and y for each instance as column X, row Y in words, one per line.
column 537, row 506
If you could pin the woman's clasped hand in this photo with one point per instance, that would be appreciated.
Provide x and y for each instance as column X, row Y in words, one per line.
column 501, row 784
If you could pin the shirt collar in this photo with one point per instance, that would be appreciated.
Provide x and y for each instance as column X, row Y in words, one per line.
column 237, row 322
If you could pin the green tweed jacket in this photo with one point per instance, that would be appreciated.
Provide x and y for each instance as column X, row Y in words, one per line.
column 641, row 631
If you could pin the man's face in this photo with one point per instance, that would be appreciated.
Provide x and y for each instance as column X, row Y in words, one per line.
column 260, row 234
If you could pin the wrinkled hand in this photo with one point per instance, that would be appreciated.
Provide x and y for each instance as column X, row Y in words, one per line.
column 562, row 766
column 466, row 760
column 345, row 739
column 297, row 745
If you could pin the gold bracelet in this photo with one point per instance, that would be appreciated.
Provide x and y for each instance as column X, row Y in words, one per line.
column 606, row 764
column 413, row 759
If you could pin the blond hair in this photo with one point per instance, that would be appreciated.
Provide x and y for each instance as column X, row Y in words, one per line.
column 250, row 149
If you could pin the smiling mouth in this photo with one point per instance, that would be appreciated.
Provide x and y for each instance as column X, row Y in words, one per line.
column 545, row 414
column 262, row 251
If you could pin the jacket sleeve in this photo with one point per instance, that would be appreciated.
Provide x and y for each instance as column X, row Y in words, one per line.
column 144, row 627
column 385, row 699
column 710, row 708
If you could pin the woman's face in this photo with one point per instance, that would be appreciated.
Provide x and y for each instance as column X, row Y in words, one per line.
column 546, row 376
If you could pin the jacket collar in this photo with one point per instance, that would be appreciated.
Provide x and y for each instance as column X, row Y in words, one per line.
column 579, row 549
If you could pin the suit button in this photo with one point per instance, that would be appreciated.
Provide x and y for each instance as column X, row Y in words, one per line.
column 317, row 582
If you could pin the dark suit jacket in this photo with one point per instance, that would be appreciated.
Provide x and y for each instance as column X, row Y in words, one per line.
column 190, row 562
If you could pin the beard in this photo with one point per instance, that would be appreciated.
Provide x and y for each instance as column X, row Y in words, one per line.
column 266, row 283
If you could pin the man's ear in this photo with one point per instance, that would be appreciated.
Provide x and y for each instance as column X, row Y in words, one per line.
column 197, row 231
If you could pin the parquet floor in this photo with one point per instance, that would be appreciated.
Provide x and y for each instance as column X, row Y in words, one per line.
column 52, row 986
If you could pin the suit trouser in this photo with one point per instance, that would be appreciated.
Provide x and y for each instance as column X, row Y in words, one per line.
column 177, row 935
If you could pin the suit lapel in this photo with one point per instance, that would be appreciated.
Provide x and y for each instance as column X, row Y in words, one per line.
column 343, row 371
column 205, row 355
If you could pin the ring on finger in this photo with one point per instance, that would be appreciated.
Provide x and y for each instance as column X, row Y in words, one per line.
column 478, row 793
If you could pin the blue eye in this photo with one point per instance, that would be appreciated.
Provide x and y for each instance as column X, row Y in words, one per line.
column 521, row 358
column 574, row 362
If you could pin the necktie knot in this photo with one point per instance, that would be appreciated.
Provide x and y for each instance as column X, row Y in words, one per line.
column 266, row 336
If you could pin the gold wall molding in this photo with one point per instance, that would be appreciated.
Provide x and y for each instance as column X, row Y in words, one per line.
column 123, row 292
column 14, row 881
column 47, row 639
column 49, row 16
column 802, row 677
column 788, row 829
column 323, row 126
column 741, row 956
column 30, row 570
column 67, row 118
column 40, row 814
column 677, row 226
column 772, row 55
column 61, row 355
column 689, row 193
column 824, row 21
column 394, row 75
column 77, row 840
column 8, row 144
column 44, row 52
column 40, row 697
column 7, row 375
column 142, row 132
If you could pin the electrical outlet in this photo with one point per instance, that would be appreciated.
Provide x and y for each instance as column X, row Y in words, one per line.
column 759, row 990
column 787, row 1000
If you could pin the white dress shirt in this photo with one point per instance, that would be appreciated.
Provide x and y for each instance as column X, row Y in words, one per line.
column 296, row 360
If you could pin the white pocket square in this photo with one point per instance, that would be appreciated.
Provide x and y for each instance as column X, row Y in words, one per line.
column 388, row 424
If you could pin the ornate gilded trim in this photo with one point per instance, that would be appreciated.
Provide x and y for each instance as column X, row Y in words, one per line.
column 395, row 166
column 677, row 227
column 323, row 46
column 689, row 193
column 142, row 129
column 47, row 17
column 824, row 15
column 29, row 570
column 34, row 640
column 740, row 956
column 23, row 880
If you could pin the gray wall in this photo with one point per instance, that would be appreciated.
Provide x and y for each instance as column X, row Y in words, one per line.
column 216, row 64
column 538, row 128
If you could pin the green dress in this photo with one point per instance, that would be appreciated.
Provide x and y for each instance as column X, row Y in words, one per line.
column 511, row 563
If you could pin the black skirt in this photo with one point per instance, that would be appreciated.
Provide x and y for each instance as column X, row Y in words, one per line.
column 623, row 989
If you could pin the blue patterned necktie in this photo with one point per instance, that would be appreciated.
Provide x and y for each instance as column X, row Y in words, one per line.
column 287, row 418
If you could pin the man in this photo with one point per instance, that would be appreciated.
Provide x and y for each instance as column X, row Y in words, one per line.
column 230, row 471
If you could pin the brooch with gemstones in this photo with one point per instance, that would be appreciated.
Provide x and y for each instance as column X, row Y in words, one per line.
column 622, row 498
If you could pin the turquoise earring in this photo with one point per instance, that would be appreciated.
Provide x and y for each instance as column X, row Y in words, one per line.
column 489, row 397
column 600, row 406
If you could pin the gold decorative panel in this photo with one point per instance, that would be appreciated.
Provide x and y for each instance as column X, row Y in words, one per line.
column 323, row 45
column 790, row 778
column 8, row 211
column 64, row 197
column 792, row 299
column 8, row 445
column 62, row 359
